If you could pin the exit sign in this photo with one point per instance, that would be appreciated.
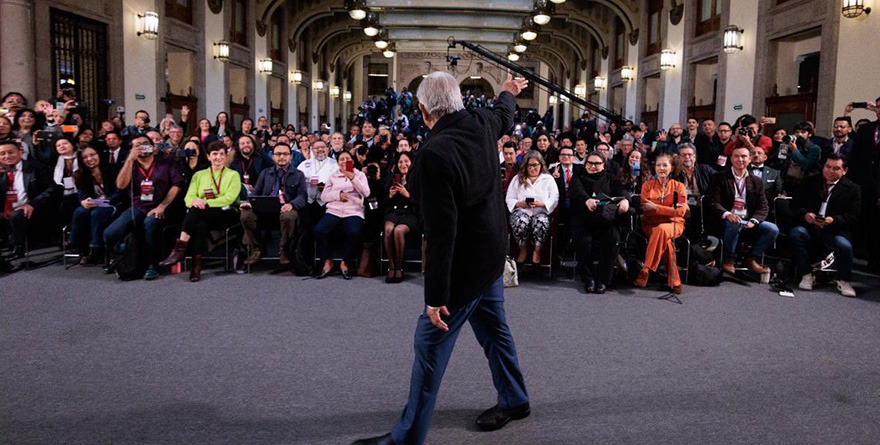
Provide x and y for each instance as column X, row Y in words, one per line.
column 738, row 107
column 140, row 96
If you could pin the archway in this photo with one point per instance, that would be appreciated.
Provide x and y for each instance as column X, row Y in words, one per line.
column 477, row 86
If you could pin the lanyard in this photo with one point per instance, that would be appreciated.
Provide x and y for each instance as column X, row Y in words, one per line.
column 215, row 181
column 149, row 174
column 246, row 169
column 281, row 178
column 740, row 190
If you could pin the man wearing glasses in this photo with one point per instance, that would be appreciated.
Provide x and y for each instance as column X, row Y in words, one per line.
column 289, row 185
column 841, row 143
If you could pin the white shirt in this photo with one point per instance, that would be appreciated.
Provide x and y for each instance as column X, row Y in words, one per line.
column 544, row 189
column 18, row 186
column 321, row 170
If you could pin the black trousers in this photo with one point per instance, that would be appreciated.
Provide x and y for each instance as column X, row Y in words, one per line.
column 596, row 243
column 199, row 222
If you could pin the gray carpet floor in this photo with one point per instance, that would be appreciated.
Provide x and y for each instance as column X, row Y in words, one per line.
column 262, row 359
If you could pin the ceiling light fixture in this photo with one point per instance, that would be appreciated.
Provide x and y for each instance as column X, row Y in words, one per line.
column 370, row 24
column 357, row 9
column 543, row 11
column 529, row 30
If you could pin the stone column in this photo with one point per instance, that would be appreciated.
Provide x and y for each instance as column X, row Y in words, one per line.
column 17, row 63
column 292, row 96
column 314, row 109
column 736, row 71
column 672, row 101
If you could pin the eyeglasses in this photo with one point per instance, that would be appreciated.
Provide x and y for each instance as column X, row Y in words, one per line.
column 840, row 126
column 725, row 131
column 565, row 155
column 534, row 165
column 595, row 164
column 280, row 154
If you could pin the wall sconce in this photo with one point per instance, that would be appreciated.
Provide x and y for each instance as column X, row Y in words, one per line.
column 580, row 91
column 381, row 40
column 265, row 66
column 543, row 11
column 627, row 73
column 599, row 83
column 221, row 51
column 346, row 96
column 149, row 25
column 370, row 25
column 390, row 51
column 552, row 100
column 318, row 85
column 334, row 91
column 732, row 39
column 558, row 2
column 297, row 77
column 667, row 59
column 512, row 56
column 529, row 30
column 357, row 9
column 854, row 8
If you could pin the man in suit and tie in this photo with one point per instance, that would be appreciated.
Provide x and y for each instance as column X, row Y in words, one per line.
column 456, row 183
column 28, row 195
column 564, row 172
column 738, row 200
column 770, row 177
column 827, row 207
column 115, row 154
column 841, row 143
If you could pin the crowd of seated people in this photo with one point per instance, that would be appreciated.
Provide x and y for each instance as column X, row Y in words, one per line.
column 760, row 191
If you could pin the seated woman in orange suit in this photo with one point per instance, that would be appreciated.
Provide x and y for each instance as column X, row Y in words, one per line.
column 662, row 221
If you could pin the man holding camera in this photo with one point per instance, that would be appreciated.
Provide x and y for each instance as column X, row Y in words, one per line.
column 827, row 208
column 153, row 183
column 141, row 126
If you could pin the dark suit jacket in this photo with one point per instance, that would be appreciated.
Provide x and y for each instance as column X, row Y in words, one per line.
column 703, row 173
column 85, row 184
column 455, row 177
column 723, row 190
column 844, row 204
column 41, row 189
column 582, row 188
column 120, row 157
column 296, row 190
column 261, row 161
column 564, row 196
column 773, row 182
column 864, row 161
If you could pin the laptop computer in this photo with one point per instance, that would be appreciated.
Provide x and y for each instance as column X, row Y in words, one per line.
column 265, row 204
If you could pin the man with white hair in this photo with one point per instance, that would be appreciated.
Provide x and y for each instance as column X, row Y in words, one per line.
column 457, row 188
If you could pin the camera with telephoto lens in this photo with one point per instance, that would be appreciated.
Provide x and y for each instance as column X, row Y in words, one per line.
column 787, row 139
column 372, row 170
column 744, row 131
column 362, row 150
column 186, row 152
column 383, row 139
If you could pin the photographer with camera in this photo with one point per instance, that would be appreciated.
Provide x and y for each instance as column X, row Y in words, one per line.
column 141, row 127
column 746, row 133
column 802, row 156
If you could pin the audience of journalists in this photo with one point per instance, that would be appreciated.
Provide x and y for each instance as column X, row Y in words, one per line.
column 630, row 206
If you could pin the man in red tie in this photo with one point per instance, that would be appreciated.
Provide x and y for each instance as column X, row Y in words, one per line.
column 27, row 195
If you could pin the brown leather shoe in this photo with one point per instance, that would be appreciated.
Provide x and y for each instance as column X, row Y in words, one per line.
column 283, row 257
column 728, row 266
column 195, row 274
column 254, row 257
column 757, row 268
column 642, row 279
column 176, row 255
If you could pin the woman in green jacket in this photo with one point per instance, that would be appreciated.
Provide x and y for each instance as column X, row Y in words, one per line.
column 212, row 203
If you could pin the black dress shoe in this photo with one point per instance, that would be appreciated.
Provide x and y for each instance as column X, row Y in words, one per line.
column 323, row 274
column 599, row 288
column 378, row 440
column 496, row 417
column 589, row 285
column 347, row 274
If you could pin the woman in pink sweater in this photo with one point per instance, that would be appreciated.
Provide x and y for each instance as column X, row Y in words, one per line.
column 344, row 194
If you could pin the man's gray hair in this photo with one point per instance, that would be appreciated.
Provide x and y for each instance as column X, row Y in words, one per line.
column 440, row 94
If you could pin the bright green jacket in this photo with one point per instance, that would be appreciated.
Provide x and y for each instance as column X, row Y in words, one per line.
column 230, row 187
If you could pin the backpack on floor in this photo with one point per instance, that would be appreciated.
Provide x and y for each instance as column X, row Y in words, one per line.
column 129, row 263
column 302, row 253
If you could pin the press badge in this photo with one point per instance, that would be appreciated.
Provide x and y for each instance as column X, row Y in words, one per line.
column 209, row 193
column 146, row 191
column 739, row 207
column 247, row 178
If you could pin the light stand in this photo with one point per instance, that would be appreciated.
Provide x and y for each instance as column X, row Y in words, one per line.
column 671, row 296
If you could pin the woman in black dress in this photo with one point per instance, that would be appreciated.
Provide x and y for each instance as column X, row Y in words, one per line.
column 400, row 217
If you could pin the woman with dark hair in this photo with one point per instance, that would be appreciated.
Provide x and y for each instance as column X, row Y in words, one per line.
column 5, row 128
column 247, row 127
column 205, row 133
column 26, row 122
column 212, row 203
column 190, row 159
column 99, row 201
column 531, row 198
column 222, row 126
column 106, row 126
column 85, row 137
column 633, row 172
column 662, row 220
column 401, row 217
column 344, row 194
column 65, row 168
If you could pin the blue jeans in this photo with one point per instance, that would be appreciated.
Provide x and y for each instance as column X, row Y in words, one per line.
column 433, row 348
column 348, row 238
column 126, row 222
column 91, row 222
column 766, row 232
column 843, row 251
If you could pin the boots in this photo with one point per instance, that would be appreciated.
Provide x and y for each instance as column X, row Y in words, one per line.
column 283, row 256
column 254, row 257
column 176, row 255
column 195, row 273
column 95, row 256
column 755, row 267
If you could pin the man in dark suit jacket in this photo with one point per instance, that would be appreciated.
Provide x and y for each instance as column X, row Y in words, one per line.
column 456, row 184
column 738, row 200
column 697, row 179
column 827, row 207
column 114, row 153
column 28, row 195
column 770, row 177
column 564, row 173
column 289, row 185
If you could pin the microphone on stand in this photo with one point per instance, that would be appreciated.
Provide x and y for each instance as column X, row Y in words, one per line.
column 670, row 296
